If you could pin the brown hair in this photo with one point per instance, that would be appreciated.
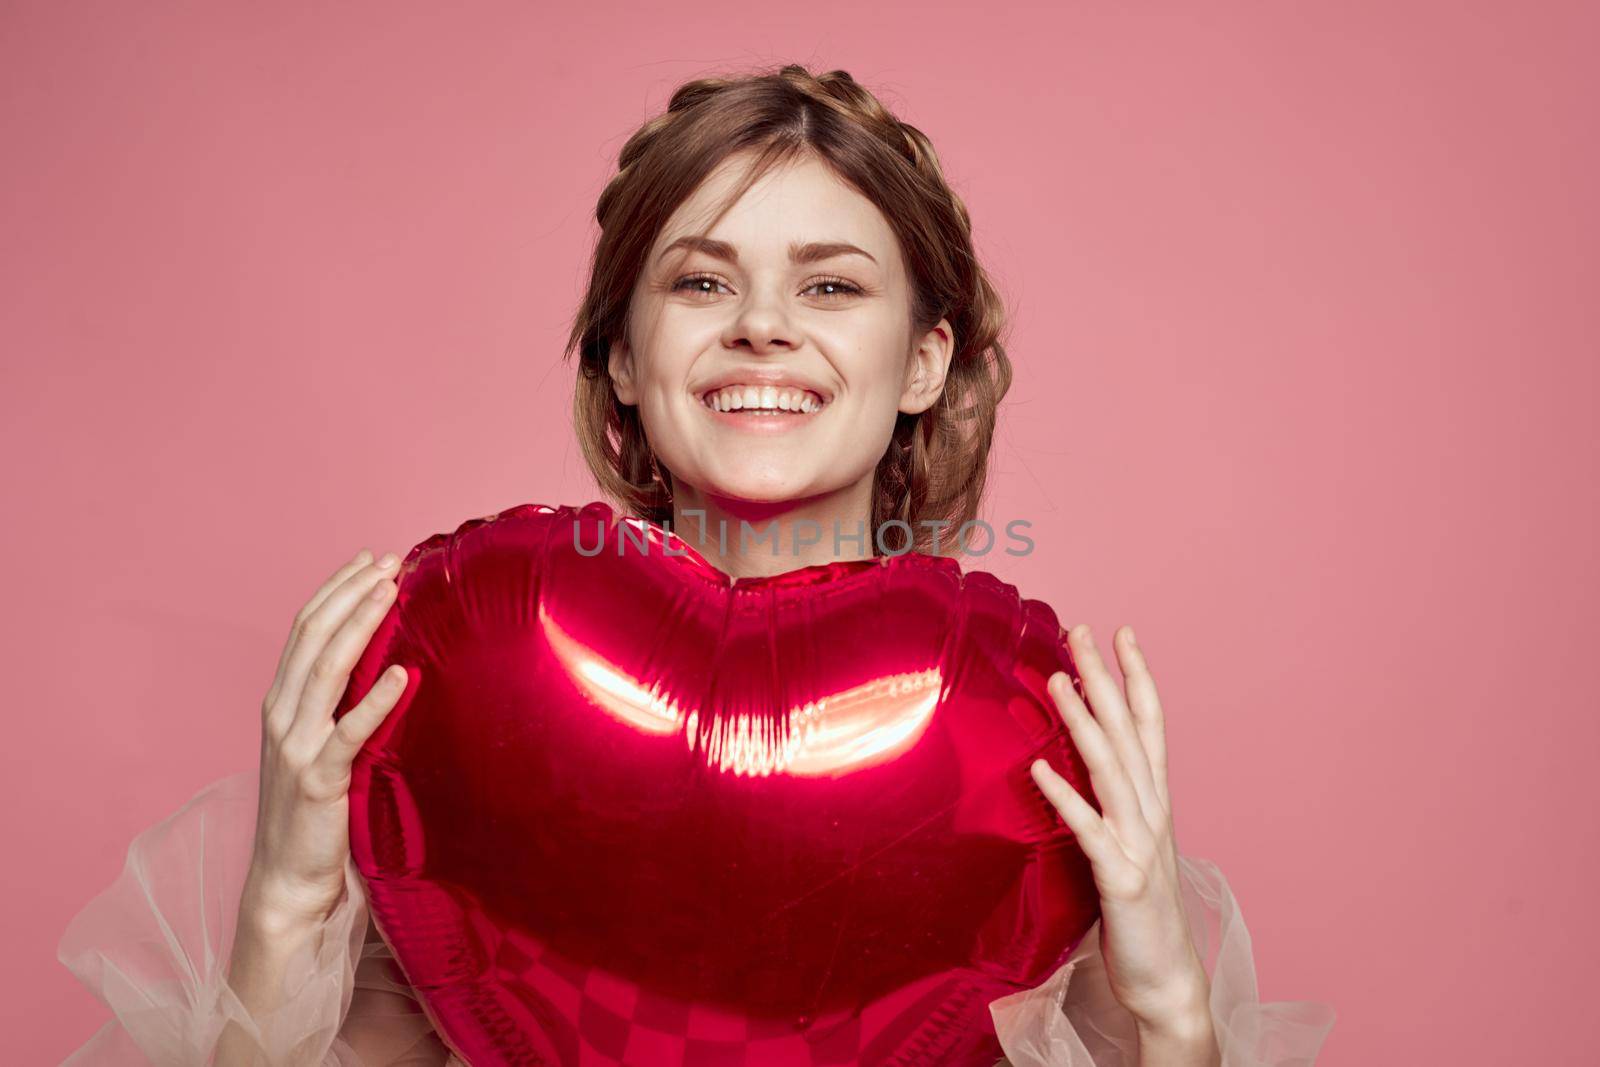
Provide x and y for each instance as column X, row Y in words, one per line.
column 937, row 461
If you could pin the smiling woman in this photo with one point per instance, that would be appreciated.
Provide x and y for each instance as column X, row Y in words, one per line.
column 762, row 319
column 787, row 229
column 786, row 321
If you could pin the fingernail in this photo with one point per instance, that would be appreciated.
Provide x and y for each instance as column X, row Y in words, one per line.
column 386, row 560
column 1131, row 639
column 362, row 556
column 382, row 590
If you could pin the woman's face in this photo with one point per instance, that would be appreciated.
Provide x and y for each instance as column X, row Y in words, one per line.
column 769, row 363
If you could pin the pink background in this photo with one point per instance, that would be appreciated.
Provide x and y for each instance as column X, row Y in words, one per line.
column 1305, row 334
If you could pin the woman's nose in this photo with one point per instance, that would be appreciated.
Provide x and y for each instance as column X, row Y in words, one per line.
column 762, row 325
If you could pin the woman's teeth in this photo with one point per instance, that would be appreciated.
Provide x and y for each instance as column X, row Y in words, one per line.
column 763, row 398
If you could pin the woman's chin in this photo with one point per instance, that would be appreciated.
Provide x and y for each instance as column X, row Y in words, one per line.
column 757, row 489
column 736, row 495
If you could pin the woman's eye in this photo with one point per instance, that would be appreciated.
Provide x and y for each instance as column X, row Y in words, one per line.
column 696, row 284
column 839, row 287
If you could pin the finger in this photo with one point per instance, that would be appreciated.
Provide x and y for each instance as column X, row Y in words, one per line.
column 319, row 628
column 358, row 724
column 329, row 673
column 1145, row 704
column 1086, row 824
column 1119, row 802
column 356, row 562
column 1111, row 711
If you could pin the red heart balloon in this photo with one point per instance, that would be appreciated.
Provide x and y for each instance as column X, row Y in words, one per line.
column 632, row 811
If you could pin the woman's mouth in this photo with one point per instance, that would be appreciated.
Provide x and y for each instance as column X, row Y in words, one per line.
column 763, row 407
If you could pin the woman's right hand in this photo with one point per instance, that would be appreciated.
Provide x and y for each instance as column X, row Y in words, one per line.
column 302, row 839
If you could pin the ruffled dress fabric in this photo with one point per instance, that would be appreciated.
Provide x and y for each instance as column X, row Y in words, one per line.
column 154, row 947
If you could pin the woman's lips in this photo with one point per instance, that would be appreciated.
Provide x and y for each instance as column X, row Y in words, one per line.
column 762, row 420
column 765, row 396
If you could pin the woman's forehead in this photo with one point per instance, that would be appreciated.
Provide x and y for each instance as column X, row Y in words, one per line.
column 796, row 203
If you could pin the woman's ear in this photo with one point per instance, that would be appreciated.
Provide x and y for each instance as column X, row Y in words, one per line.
column 925, row 373
column 619, row 363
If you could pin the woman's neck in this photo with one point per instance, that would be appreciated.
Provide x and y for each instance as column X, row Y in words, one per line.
column 750, row 539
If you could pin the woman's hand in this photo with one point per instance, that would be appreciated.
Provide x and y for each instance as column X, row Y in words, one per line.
column 297, row 866
column 302, row 841
column 1151, row 962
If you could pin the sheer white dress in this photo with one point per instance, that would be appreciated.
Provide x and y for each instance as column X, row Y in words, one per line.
column 154, row 947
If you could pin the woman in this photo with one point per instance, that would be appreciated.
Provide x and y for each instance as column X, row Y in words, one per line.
column 785, row 322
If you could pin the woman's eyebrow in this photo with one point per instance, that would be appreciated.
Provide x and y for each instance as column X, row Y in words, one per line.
column 799, row 252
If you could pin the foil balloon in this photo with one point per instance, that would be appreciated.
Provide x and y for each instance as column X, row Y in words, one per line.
column 630, row 810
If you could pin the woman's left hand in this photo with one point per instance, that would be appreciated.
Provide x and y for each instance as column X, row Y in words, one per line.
column 1151, row 962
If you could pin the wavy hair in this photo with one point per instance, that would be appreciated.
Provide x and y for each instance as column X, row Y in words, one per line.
column 936, row 464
